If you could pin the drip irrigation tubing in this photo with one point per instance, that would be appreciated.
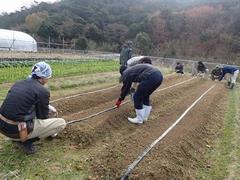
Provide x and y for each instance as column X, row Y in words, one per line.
column 82, row 94
column 112, row 108
column 92, row 92
column 149, row 148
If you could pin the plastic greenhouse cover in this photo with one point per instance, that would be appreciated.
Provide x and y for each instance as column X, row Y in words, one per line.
column 17, row 41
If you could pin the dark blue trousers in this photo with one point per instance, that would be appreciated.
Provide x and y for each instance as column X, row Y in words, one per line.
column 146, row 88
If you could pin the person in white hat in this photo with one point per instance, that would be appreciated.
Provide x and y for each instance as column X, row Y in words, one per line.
column 24, row 114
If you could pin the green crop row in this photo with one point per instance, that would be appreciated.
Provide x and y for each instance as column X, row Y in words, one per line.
column 61, row 68
column 7, row 64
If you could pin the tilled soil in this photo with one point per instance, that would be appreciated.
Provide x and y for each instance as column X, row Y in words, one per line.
column 79, row 103
column 112, row 143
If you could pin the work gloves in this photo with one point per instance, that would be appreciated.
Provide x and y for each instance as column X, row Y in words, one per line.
column 118, row 103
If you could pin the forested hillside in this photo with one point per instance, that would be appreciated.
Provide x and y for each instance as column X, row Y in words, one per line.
column 170, row 28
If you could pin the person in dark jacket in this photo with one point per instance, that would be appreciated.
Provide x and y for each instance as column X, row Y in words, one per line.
column 125, row 55
column 201, row 68
column 216, row 73
column 24, row 114
column 149, row 78
column 179, row 68
column 233, row 71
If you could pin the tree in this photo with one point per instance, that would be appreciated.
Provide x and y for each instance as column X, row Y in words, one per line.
column 81, row 43
column 92, row 32
column 116, row 33
column 34, row 21
column 143, row 43
column 47, row 30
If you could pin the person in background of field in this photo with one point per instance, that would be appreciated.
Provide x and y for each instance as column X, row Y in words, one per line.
column 179, row 68
column 149, row 79
column 201, row 69
column 231, row 70
column 216, row 73
column 24, row 114
column 125, row 55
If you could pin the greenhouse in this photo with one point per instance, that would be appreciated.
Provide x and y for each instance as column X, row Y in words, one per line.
column 17, row 41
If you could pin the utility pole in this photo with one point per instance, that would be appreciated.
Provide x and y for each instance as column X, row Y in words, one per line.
column 63, row 45
column 49, row 43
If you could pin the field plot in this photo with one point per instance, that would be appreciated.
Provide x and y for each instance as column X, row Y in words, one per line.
column 112, row 143
column 102, row 147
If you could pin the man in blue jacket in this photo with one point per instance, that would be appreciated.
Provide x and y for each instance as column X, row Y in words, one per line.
column 233, row 71
column 149, row 79
column 24, row 114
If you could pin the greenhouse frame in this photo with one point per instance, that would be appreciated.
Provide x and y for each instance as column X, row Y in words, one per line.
column 17, row 41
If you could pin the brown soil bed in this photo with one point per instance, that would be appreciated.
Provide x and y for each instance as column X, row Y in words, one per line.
column 79, row 103
column 111, row 143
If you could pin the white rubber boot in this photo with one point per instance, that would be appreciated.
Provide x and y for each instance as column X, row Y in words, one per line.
column 148, row 110
column 139, row 118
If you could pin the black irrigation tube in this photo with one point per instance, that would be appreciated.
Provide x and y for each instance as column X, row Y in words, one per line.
column 112, row 108
column 131, row 167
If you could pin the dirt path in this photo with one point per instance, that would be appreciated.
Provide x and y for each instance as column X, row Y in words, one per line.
column 111, row 143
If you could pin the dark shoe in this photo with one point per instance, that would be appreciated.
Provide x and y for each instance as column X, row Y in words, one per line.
column 28, row 147
column 228, row 83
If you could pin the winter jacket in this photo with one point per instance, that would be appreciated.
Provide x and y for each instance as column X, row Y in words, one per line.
column 137, row 73
column 126, row 54
column 227, row 69
column 201, row 68
column 179, row 68
column 26, row 100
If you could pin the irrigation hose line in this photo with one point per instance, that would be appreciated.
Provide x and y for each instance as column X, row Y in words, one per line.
column 112, row 108
column 93, row 115
column 92, row 92
column 82, row 94
column 149, row 148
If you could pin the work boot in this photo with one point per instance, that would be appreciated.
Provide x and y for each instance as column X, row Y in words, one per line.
column 148, row 110
column 139, row 118
column 28, row 147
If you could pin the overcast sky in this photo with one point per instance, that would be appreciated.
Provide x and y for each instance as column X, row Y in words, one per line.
column 15, row 5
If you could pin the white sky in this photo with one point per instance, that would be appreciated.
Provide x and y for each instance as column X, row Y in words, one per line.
column 15, row 5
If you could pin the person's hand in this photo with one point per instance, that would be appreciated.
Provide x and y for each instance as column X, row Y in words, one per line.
column 118, row 103
column 52, row 111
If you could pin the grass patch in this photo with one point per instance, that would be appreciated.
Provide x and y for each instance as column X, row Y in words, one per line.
column 225, row 149
column 55, row 159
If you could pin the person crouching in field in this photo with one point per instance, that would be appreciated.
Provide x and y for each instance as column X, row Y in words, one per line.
column 201, row 69
column 24, row 114
column 222, row 71
column 149, row 79
column 179, row 68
